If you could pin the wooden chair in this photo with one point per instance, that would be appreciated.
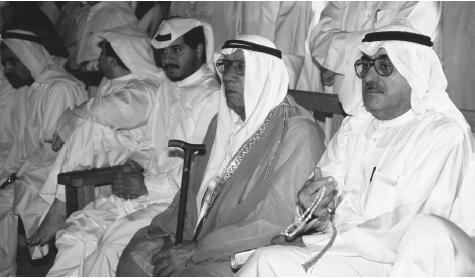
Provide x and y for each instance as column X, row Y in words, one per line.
column 322, row 105
column 80, row 185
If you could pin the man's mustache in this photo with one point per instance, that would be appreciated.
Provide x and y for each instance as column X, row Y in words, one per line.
column 171, row 66
column 373, row 87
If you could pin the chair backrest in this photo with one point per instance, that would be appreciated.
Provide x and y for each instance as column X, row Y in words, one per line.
column 321, row 104
column 470, row 117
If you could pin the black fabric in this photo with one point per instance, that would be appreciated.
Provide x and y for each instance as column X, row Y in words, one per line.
column 252, row 46
column 12, row 35
column 162, row 38
column 398, row 36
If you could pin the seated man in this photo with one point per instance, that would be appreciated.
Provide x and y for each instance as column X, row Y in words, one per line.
column 11, row 122
column 82, row 43
column 107, row 129
column 48, row 90
column 92, row 240
column 261, row 146
column 405, row 153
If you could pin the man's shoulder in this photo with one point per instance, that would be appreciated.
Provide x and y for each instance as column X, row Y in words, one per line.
column 300, row 121
column 61, row 83
column 209, row 79
column 296, row 112
column 142, row 84
column 439, row 126
column 208, row 84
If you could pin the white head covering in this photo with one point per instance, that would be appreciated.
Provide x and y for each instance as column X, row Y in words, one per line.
column 34, row 56
column 266, row 82
column 422, row 69
column 134, row 49
column 171, row 29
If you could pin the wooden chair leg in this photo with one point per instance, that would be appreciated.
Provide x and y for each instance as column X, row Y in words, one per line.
column 78, row 196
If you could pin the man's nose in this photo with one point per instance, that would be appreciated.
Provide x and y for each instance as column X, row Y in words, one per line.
column 7, row 68
column 230, row 76
column 168, row 57
column 371, row 75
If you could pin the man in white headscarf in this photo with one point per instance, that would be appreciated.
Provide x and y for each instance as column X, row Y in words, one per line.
column 12, row 124
column 107, row 129
column 262, row 145
column 101, row 16
column 183, row 107
column 49, row 91
column 342, row 26
column 406, row 152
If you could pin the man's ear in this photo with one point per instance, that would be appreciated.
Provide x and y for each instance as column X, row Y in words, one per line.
column 200, row 48
column 112, row 61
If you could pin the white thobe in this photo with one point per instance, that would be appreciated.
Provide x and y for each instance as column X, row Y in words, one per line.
column 12, row 122
column 30, row 157
column 388, row 172
column 102, row 16
column 94, row 238
column 343, row 25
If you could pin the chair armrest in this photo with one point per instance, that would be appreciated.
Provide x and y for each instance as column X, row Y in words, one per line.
column 92, row 177
column 318, row 102
column 80, row 185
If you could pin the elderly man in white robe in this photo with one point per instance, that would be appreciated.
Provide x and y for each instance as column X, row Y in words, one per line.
column 49, row 91
column 93, row 239
column 406, row 152
column 243, row 191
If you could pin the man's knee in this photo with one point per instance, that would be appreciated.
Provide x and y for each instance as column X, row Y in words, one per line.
column 425, row 227
column 266, row 255
column 127, row 267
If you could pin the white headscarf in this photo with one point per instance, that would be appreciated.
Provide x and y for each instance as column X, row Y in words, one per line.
column 171, row 29
column 36, row 58
column 134, row 49
column 422, row 69
column 266, row 82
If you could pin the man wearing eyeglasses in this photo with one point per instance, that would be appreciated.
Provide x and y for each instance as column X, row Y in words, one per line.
column 405, row 154
column 260, row 148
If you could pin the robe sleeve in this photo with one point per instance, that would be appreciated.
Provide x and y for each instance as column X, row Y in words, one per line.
column 333, row 161
column 61, row 95
column 274, row 211
column 127, row 109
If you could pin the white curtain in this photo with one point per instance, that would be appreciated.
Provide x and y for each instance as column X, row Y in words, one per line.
column 458, row 51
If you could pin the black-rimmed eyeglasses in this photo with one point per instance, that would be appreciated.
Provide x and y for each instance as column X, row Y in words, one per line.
column 224, row 66
column 382, row 65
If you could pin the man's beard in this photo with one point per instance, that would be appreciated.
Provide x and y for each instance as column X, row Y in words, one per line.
column 14, row 81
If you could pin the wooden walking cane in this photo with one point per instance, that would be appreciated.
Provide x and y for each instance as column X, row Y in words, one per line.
column 189, row 150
